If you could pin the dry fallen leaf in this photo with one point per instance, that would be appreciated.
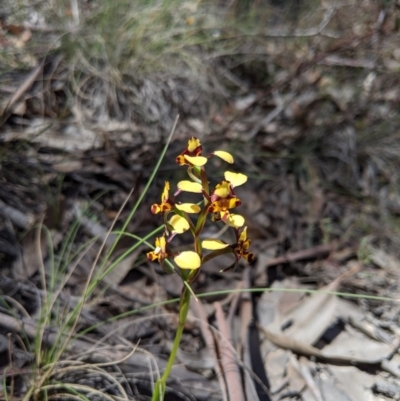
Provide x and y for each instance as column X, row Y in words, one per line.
column 356, row 382
column 309, row 317
column 353, row 345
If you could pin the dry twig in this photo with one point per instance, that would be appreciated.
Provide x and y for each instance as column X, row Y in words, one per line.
column 228, row 360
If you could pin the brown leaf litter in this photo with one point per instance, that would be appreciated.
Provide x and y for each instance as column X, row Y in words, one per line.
column 316, row 132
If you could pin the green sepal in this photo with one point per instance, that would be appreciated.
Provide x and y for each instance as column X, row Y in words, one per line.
column 204, row 181
column 200, row 222
column 231, row 267
column 168, row 228
column 192, row 174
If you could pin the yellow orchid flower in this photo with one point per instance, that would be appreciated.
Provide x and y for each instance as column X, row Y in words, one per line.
column 166, row 204
column 188, row 260
column 160, row 251
column 225, row 188
column 222, row 206
column 222, row 199
column 192, row 154
column 242, row 246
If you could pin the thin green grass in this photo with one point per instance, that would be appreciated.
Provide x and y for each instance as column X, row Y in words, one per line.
column 53, row 280
column 48, row 363
column 172, row 301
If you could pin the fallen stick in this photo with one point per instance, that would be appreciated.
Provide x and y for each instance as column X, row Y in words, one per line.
column 228, row 358
column 22, row 89
column 209, row 339
column 310, row 253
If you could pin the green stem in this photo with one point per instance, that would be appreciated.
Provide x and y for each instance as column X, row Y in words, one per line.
column 184, row 302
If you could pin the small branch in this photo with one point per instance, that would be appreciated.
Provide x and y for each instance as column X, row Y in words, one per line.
column 228, row 362
column 20, row 219
column 209, row 339
column 250, row 347
column 23, row 88
column 270, row 116
column 347, row 62
column 311, row 253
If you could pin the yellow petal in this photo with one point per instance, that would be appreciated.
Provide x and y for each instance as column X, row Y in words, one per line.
column 224, row 156
column 193, row 144
column 243, row 235
column 196, row 160
column 179, row 224
column 235, row 179
column 213, row 244
column 165, row 194
column 155, row 209
column 190, row 186
column 235, row 220
column 189, row 207
column 223, row 189
column 161, row 245
column 180, row 160
column 188, row 260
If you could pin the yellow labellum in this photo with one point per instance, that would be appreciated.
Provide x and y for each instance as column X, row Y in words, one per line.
column 223, row 189
column 213, row 244
column 179, row 224
column 190, row 186
column 235, row 179
column 235, row 220
column 224, row 156
column 196, row 160
column 188, row 260
column 189, row 207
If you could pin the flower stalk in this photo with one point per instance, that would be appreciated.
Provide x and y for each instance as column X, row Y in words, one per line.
column 184, row 303
column 177, row 219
